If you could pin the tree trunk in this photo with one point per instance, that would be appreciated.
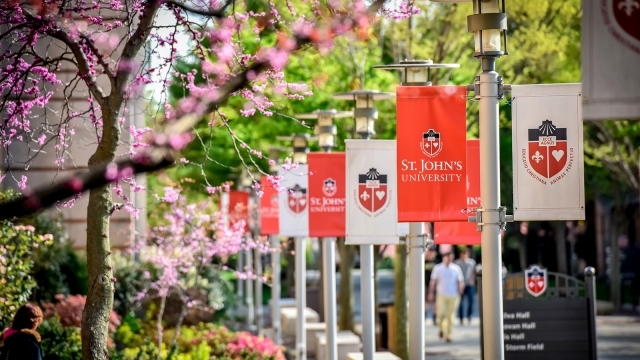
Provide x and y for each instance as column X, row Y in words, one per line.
column 97, row 310
column 614, row 256
column 345, row 296
column 560, row 236
column 400, row 304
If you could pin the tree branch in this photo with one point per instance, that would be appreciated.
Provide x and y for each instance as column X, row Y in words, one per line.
column 208, row 13
column 133, row 45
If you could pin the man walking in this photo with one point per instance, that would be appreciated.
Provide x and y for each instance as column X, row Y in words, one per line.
column 448, row 279
column 467, row 265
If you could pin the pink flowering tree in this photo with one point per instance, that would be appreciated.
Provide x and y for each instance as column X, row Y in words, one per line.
column 96, row 53
column 183, row 247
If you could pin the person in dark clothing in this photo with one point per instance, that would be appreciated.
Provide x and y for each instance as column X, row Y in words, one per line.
column 21, row 341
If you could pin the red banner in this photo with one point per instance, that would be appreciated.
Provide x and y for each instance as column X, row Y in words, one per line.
column 327, row 186
column 238, row 207
column 464, row 233
column 431, row 133
column 269, row 205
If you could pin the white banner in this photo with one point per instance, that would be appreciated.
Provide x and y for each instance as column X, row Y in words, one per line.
column 610, row 58
column 372, row 211
column 294, row 206
column 548, row 165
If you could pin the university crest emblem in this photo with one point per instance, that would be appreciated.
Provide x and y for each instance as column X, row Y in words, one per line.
column 535, row 280
column 297, row 199
column 431, row 144
column 329, row 187
column 373, row 193
column 622, row 19
column 547, row 149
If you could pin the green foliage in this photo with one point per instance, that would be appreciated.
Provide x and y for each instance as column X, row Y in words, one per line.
column 58, row 342
column 202, row 342
column 132, row 278
column 18, row 244
column 57, row 268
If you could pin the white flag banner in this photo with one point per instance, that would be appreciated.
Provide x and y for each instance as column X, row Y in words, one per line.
column 610, row 58
column 371, row 209
column 548, row 164
column 224, row 208
column 294, row 206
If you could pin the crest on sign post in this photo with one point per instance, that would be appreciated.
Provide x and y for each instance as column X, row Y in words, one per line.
column 373, row 193
column 431, row 144
column 297, row 199
column 622, row 18
column 329, row 187
column 535, row 279
column 547, row 149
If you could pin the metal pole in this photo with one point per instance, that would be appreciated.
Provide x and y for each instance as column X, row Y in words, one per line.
column 330, row 313
column 240, row 284
column 490, row 200
column 301, row 299
column 275, row 290
column 367, row 298
column 249, row 291
column 258, row 284
column 590, row 282
column 416, row 244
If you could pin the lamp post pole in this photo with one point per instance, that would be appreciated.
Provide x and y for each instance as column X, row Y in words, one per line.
column 326, row 132
column 489, row 24
column 300, row 149
column 365, row 115
column 245, row 183
column 274, row 154
column 416, row 73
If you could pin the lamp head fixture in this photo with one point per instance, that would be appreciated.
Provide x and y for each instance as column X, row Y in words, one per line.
column 325, row 129
column 416, row 72
column 488, row 25
column 365, row 113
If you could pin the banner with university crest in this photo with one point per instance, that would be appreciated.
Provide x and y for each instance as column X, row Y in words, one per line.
column 371, row 207
column 294, row 202
column 548, row 165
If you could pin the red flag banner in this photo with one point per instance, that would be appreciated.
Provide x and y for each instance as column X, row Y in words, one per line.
column 236, row 207
column 269, row 204
column 465, row 233
column 431, row 156
column 327, row 194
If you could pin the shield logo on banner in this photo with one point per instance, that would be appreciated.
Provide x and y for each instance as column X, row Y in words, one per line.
column 547, row 149
column 297, row 199
column 329, row 187
column 535, row 280
column 622, row 17
column 373, row 193
column 431, row 144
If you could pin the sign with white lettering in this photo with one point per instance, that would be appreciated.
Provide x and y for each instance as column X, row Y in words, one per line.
column 371, row 206
column 431, row 131
column 548, row 165
column 610, row 58
column 234, row 206
column 269, row 207
column 465, row 232
column 326, row 194
column 294, row 202
column 555, row 328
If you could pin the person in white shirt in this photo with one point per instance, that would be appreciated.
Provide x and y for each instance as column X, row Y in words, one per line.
column 447, row 277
